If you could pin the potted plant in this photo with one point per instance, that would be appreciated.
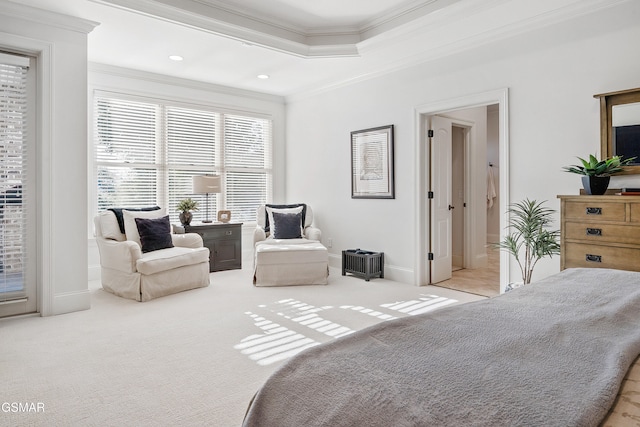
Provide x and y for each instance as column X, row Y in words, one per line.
column 530, row 238
column 597, row 173
column 185, row 206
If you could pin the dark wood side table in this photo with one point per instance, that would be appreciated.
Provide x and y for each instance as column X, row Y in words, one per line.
column 224, row 241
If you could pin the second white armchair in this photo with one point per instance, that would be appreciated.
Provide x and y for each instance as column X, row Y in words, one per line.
column 287, row 247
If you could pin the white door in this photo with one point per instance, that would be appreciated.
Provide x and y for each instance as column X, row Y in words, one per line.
column 440, row 204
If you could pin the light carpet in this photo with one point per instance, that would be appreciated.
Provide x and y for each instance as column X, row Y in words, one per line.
column 190, row 359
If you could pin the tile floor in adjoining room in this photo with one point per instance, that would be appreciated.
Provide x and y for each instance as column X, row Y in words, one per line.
column 481, row 281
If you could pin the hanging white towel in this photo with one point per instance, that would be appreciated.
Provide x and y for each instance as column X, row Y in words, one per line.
column 491, row 188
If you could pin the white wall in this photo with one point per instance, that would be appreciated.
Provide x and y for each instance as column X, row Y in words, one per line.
column 60, row 45
column 551, row 74
column 108, row 78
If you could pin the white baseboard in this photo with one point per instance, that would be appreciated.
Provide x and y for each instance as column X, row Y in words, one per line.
column 71, row 301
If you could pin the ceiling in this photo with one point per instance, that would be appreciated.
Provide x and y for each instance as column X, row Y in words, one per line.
column 303, row 46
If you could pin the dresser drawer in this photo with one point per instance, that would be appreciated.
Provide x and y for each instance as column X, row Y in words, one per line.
column 635, row 212
column 602, row 232
column 594, row 256
column 594, row 211
column 230, row 232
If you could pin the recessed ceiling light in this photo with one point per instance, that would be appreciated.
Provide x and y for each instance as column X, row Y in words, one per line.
column 263, row 76
column 176, row 58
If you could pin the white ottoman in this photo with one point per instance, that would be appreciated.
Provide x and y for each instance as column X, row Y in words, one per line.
column 290, row 262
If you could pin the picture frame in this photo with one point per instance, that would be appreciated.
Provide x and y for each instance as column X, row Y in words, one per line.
column 372, row 163
column 224, row 216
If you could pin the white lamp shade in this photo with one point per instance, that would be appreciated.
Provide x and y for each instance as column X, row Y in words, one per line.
column 205, row 184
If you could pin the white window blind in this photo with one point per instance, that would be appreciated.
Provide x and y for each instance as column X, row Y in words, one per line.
column 247, row 164
column 14, row 177
column 192, row 138
column 147, row 152
column 127, row 161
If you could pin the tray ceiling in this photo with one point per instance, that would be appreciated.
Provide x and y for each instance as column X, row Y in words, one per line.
column 306, row 47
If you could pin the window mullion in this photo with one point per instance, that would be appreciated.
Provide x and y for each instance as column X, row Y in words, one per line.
column 221, row 167
column 161, row 160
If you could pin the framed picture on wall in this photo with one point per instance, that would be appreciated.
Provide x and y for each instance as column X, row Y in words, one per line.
column 372, row 163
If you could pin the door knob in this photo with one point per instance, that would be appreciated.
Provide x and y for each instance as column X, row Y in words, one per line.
column 451, row 207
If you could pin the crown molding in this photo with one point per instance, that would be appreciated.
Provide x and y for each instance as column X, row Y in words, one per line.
column 442, row 50
column 112, row 70
column 42, row 16
column 233, row 22
column 229, row 24
column 229, row 8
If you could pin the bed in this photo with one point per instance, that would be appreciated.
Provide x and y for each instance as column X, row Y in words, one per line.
column 553, row 353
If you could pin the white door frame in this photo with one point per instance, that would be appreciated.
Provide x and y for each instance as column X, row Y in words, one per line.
column 500, row 97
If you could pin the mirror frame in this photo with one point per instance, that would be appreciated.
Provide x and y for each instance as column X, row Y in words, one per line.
column 607, row 101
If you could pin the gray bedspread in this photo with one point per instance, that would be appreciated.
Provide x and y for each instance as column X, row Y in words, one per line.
column 549, row 354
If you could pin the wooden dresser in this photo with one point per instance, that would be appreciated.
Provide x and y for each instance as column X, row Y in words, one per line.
column 600, row 232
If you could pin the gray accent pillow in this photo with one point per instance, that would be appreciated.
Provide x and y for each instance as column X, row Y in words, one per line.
column 287, row 225
column 155, row 233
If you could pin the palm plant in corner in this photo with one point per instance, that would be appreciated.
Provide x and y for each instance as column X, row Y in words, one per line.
column 530, row 238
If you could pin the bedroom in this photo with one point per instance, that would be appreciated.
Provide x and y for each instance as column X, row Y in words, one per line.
column 551, row 73
column 557, row 65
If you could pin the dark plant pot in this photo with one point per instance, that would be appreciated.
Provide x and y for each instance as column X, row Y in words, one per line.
column 596, row 185
column 185, row 218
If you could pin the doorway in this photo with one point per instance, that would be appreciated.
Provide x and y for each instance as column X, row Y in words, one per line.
column 469, row 245
column 458, row 209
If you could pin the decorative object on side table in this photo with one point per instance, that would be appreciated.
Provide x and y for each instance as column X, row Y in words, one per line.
column 530, row 239
column 224, row 216
column 597, row 173
column 185, row 206
column 206, row 184
column 372, row 172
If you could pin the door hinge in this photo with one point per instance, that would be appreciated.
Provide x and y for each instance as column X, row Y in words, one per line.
column 430, row 133
column 430, row 256
column 430, row 195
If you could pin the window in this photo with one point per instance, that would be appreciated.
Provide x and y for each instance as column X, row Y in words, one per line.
column 17, row 185
column 146, row 153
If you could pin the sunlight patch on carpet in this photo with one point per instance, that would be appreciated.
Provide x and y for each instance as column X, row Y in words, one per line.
column 276, row 342
column 422, row 305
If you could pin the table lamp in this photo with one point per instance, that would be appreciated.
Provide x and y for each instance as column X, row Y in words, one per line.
column 206, row 184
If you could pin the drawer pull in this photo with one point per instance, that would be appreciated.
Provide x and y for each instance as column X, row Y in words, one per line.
column 594, row 231
column 594, row 258
column 594, row 211
column 228, row 232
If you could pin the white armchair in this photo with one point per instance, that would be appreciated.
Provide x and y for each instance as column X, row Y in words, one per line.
column 128, row 272
column 297, row 258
